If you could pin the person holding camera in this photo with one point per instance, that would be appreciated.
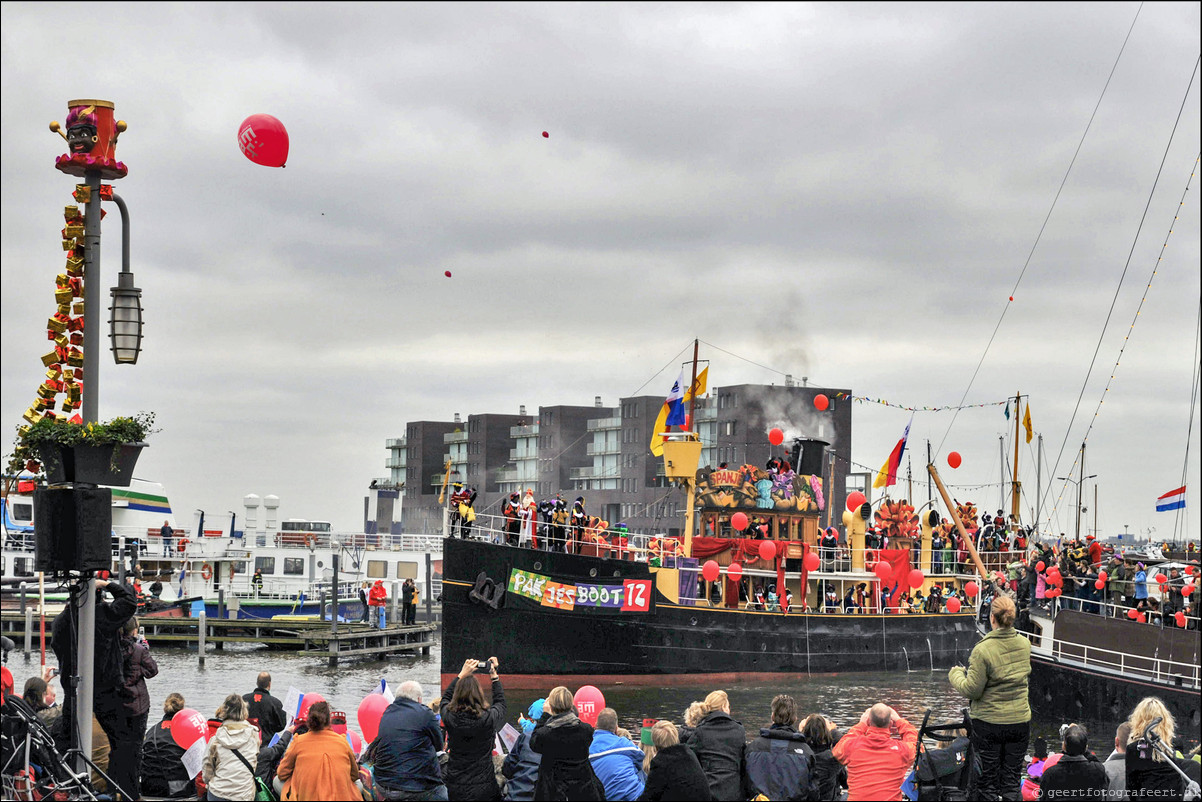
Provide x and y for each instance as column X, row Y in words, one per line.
column 472, row 725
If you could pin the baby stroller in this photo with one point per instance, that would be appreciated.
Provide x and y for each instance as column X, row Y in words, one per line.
column 33, row 769
column 950, row 771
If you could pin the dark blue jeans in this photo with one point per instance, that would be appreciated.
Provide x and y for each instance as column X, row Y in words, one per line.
column 1002, row 748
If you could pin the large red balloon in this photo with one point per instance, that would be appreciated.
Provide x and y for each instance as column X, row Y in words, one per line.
column 970, row 589
column 734, row 571
column 264, row 140
column 953, row 459
column 1161, row 579
column 1187, row 590
column 187, row 727
column 776, row 437
column 855, row 500
column 1141, row 618
column 1179, row 617
column 812, row 562
column 710, row 571
column 1039, row 566
column 821, row 402
column 1132, row 614
column 589, row 704
column 307, row 701
column 1103, row 576
column 370, row 710
column 1100, row 584
column 739, row 521
column 768, row 550
column 356, row 741
column 953, row 605
column 916, row 578
column 882, row 570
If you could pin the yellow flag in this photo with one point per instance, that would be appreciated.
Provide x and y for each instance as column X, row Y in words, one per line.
column 1027, row 422
column 661, row 422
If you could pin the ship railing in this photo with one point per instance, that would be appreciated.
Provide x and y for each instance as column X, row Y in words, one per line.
column 1184, row 674
column 1110, row 609
column 183, row 547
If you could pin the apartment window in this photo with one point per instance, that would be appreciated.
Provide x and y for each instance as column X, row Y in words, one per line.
column 729, row 427
column 548, row 418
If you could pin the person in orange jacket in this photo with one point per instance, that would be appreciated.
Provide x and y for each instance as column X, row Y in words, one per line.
column 378, row 598
column 878, row 752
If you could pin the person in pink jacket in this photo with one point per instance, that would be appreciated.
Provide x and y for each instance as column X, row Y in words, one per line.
column 878, row 752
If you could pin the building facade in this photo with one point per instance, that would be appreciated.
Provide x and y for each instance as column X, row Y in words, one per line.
column 603, row 455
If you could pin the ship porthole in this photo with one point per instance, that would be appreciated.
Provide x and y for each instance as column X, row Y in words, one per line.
column 617, row 573
column 592, row 572
column 709, row 644
column 763, row 647
column 538, row 566
column 692, row 622
column 320, row 564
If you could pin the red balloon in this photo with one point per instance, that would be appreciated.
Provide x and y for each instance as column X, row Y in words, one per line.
column 264, row 140
column 1011, row 297
column 821, row 402
column 1100, row 584
column 1161, row 578
column 307, row 701
column 1103, row 576
column 1141, row 618
column 768, row 550
column 916, row 578
column 1187, row 590
column 953, row 605
column 953, row 459
column 546, row 135
column 1180, row 619
column 589, row 704
column 855, row 500
column 812, row 562
column 734, row 571
column 1133, row 614
column 356, row 740
column 447, row 273
column 1189, row 570
column 1053, row 593
column 739, row 521
column 776, row 437
column 710, row 571
column 882, row 570
column 187, row 727
column 370, row 710
column 971, row 589
column 1039, row 566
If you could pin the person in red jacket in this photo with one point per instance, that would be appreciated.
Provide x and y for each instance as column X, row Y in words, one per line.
column 877, row 752
column 378, row 598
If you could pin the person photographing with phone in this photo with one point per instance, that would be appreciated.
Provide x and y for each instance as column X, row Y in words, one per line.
column 472, row 725
column 877, row 751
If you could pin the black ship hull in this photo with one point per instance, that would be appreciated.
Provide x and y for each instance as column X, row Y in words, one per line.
column 671, row 642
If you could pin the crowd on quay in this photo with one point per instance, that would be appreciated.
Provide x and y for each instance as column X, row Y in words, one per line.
column 448, row 748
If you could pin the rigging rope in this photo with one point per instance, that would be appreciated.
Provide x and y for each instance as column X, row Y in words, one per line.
column 1042, row 227
column 1189, row 429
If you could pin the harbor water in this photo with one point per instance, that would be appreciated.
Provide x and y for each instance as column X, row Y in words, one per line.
column 841, row 697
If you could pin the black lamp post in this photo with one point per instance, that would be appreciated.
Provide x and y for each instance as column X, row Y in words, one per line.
column 125, row 315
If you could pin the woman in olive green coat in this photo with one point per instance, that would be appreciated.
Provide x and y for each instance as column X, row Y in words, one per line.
column 995, row 683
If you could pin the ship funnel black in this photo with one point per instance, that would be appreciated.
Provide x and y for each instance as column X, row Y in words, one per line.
column 808, row 457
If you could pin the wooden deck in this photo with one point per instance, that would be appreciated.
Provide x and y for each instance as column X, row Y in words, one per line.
column 311, row 636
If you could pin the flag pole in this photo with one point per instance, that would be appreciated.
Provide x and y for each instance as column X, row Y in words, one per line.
column 1016, row 486
column 692, row 384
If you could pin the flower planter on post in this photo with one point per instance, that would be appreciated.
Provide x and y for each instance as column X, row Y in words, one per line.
column 111, row 465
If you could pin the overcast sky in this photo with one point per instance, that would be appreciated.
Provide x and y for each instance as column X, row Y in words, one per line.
column 844, row 192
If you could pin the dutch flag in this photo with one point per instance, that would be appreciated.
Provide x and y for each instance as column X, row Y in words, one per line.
column 1172, row 500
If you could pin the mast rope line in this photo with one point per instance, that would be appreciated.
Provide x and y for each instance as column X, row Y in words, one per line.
column 1042, row 227
column 1123, row 275
column 1189, row 428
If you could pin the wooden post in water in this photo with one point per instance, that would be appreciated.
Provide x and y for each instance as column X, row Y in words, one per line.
column 396, row 600
column 200, row 638
column 220, row 613
column 429, row 595
column 28, row 632
column 334, row 617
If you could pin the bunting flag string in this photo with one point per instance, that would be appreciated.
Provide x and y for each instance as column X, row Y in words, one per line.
column 865, row 400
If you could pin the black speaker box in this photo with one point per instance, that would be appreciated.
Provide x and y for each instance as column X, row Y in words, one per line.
column 73, row 528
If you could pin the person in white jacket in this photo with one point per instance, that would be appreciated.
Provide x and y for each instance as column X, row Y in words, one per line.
column 227, row 776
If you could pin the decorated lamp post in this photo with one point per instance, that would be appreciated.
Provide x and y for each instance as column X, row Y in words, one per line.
column 91, row 135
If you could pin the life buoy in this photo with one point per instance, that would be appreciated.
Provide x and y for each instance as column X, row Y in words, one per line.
column 206, row 572
column 309, row 539
column 183, row 545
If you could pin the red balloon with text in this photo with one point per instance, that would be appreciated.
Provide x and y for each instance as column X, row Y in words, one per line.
column 589, row 704
column 264, row 140
column 187, row 727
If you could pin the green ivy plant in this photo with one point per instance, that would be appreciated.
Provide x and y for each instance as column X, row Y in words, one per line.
column 35, row 441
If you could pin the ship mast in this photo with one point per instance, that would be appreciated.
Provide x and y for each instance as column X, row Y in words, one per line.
column 1016, row 486
column 682, row 452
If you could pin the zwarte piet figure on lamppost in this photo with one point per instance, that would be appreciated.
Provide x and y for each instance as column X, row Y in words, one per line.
column 91, row 135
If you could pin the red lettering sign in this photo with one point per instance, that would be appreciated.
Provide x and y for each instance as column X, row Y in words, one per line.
column 638, row 595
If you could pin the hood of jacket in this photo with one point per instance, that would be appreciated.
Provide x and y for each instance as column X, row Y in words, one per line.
column 782, row 732
column 238, row 735
column 606, row 742
column 563, row 719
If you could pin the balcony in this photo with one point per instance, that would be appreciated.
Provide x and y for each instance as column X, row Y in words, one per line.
column 593, row 450
column 523, row 431
column 394, row 462
column 580, row 473
column 396, row 442
column 454, row 437
column 522, row 454
column 602, row 424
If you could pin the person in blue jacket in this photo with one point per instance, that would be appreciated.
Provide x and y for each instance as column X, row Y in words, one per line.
column 617, row 762
column 406, row 749
column 1141, row 583
column 521, row 764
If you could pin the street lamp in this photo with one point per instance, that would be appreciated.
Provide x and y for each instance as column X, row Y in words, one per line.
column 125, row 315
column 1078, row 483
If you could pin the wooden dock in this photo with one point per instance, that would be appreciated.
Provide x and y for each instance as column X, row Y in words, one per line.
column 309, row 635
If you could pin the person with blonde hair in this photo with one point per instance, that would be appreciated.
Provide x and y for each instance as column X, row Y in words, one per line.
column 995, row 684
column 718, row 742
column 673, row 771
column 1149, row 774
column 692, row 717
column 229, row 764
column 563, row 740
